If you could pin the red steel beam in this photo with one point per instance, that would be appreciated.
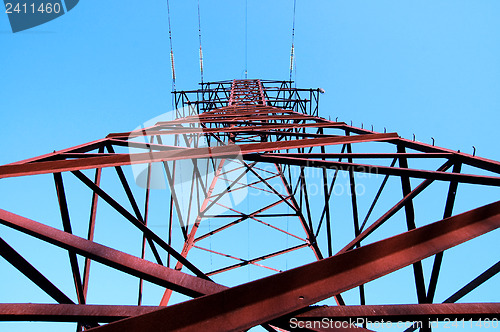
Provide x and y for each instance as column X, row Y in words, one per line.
column 158, row 130
column 45, row 167
column 76, row 149
column 266, row 299
column 369, row 155
column 405, row 312
column 374, row 169
column 42, row 312
column 23, row 266
column 110, row 313
column 483, row 163
column 236, row 119
column 158, row 274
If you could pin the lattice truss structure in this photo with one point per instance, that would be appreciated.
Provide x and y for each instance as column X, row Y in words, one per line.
column 245, row 208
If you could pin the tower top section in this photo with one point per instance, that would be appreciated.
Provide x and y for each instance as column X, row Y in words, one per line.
column 247, row 93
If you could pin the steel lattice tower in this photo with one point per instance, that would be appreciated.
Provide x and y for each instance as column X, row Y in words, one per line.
column 253, row 226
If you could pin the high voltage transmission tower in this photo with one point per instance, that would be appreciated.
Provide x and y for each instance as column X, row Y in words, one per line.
column 246, row 209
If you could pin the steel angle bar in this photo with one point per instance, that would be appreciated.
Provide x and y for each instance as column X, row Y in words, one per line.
column 91, row 227
column 237, row 221
column 426, row 155
column 479, row 280
column 374, row 169
column 448, row 211
column 252, row 260
column 63, row 207
column 228, row 151
column 399, row 205
column 405, row 312
column 42, row 312
column 157, row 274
column 148, row 232
column 20, row 263
column 75, row 149
column 475, row 161
column 266, row 299
column 141, row 145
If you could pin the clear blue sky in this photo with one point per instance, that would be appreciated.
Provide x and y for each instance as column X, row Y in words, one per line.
column 429, row 68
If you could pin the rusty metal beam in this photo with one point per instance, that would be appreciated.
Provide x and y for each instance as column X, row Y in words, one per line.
column 69, row 312
column 75, row 149
column 20, row 263
column 405, row 312
column 475, row 161
column 254, row 127
column 109, row 313
column 157, row 274
column 448, row 212
column 264, row 300
column 399, row 205
column 375, row 169
column 150, row 235
column 418, row 271
column 187, row 153
column 63, row 207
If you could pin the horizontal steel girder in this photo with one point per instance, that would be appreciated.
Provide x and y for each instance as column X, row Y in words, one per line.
column 110, row 313
column 228, row 151
column 405, row 312
column 255, row 127
column 375, row 169
column 70, row 313
column 157, row 274
column 267, row 299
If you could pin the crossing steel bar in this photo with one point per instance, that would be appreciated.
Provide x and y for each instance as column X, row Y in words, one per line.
column 187, row 153
column 401, row 312
column 158, row 274
column 266, row 299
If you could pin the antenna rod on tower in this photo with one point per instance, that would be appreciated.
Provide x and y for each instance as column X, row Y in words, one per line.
column 246, row 39
column 199, row 36
column 292, row 52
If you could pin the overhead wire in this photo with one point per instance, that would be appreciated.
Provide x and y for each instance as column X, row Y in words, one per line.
column 246, row 39
column 292, row 52
column 171, row 47
column 199, row 36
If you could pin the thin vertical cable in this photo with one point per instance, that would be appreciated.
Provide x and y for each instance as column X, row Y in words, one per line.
column 171, row 47
column 199, row 36
column 292, row 52
column 246, row 39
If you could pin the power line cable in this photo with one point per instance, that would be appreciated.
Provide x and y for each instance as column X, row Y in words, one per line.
column 292, row 52
column 171, row 47
column 246, row 39
column 199, row 36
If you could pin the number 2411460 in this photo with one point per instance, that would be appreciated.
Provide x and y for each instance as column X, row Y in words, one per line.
column 18, row 8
